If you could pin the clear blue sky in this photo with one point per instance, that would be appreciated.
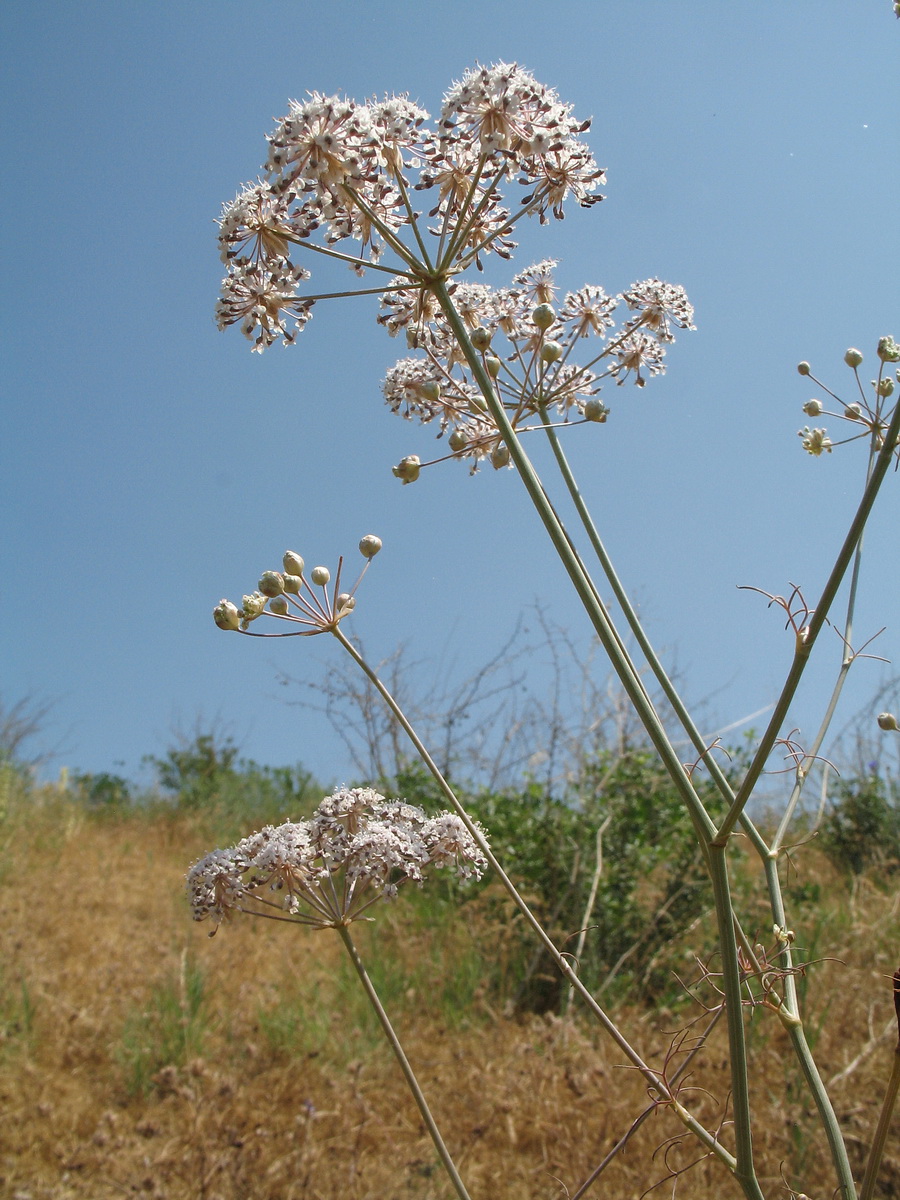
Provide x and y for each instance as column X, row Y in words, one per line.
column 150, row 465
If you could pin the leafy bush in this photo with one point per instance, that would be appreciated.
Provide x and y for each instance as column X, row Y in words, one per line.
column 862, row 827
column 651, row 883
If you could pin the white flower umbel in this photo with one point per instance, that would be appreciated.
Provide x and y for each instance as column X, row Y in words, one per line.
column 356, row 849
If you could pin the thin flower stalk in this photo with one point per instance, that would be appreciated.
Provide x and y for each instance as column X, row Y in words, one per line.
column 562, row 962
column 396, row 1046
column 807, row 636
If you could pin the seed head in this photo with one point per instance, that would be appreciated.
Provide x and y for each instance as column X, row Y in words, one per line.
column 480, row 338
column 543, row 316
column 888, row 721
column 292, row 584
column 803, row 368
column 226, row 615
column 551, row 352
column 407, row 469
column 279, row 606
column 293, row 563
column 885, row 387
column 853, row 358
column 271, row 583
column 888, row 350
column 500, row 456
column 369, row 545
column 812, row 408
column 320, row 576
column 595, row 410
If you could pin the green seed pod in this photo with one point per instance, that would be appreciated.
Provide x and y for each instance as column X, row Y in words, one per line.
column 813, row 408
column 320, row 576
column 595, row 410
column 500, row 456
column 543, row 316
column 292, row 584
column 226, row 615
column 551, row 352
column 271, row 583
column 457, row 441
column 853, row 357
column 885, row 387
column 493, row 364
column 407, row 469
column 887, row 721
column 888, row 350
column 430, row 389
column 803, row 368
column 279, row 606
column 369, row 545
column 293, row 563
column 345, row 603
column 477, row 403
column 480, row 338
column 853, row 412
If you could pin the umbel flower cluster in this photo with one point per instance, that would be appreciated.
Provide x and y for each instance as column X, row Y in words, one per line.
column 356, row 849
column 869, row 415
column 340, row 171
column 527, row 347
column 291, row 596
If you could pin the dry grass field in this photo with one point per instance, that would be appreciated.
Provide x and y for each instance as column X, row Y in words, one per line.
column 140, row 1058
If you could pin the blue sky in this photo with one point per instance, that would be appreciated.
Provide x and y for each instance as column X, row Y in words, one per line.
column 150, row 464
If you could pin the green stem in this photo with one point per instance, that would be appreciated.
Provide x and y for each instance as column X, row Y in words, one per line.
column 807, row 638
column 561, row 961
column 407, row 1070
column 634, row 623
column 847, row 657
column 745, row 1172
column 584, row 588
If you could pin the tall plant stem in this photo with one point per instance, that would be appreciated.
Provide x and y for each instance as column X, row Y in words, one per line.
column 807, row 637
column 407, row 1070
column 637, row 629
column 847, row 657
column 561, row 961
column 612, row 645
column 790, row 1011
column 586, row 591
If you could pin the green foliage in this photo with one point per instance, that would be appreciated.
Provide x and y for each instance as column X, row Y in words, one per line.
column 652, row 884
column 205, row 775
column 862, row 827
column 103, row 791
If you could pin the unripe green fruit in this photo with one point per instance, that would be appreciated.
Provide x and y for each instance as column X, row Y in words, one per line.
column 271, row 583
column 853, row 358
column 543, row 316
column 480, row 338
column 320, row 576
column 500, row 456
column 293, row 563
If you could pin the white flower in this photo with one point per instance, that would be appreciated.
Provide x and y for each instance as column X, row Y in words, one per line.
column 815, row 441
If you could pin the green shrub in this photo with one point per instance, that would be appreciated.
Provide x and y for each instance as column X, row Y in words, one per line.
column 862, row 827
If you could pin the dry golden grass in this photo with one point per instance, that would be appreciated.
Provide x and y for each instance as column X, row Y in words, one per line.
column 140, row 1058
